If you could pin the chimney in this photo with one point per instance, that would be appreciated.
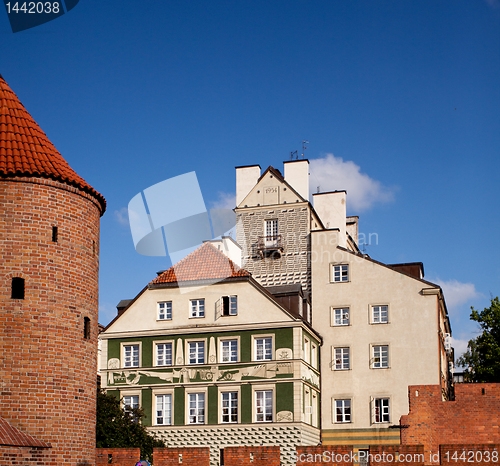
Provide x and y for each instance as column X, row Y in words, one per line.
column 297, row 176
column 246, row 179
column 229, row 247
column 122, row 305
column 331, row 208
column 352, row 228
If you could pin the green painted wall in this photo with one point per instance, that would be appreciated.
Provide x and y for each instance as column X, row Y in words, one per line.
column 115, row 393
column 212, row 405
column 283, row 339
column 284, row 397
column 179, row 402
column 246, row 404
column 114, row 349
column 147, row 406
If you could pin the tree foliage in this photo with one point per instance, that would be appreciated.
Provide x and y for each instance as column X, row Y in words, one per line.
column 483, row 352
column 117, row 428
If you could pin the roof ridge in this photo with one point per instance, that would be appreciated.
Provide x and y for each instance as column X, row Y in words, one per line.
column 26, row 151
column 204, row 263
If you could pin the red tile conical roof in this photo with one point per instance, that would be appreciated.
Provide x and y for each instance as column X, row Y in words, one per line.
column 10, row 436
column 205, row 263
column 25, row 150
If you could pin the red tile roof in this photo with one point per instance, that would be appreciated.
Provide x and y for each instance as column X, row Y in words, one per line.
column 10, row 436
column 205, row 263
column 25, row 150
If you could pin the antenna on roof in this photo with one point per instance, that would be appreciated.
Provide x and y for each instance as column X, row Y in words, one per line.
column 294, row 153
column 304, row 147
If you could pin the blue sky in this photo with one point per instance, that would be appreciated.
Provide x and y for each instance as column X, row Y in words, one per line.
column 400, row 101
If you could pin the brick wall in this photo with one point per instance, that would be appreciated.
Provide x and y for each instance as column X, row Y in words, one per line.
column 252, row 456
column 117, row 456
column 473, row 418
column 470, row 455
column 403, row 455
column 25, row 456
column 321, row 454
column 186, row 456
column 47, row 366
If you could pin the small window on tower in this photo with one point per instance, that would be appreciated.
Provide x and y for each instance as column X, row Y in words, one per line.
column 86, row 328
column 17, row 288
column 54, row 234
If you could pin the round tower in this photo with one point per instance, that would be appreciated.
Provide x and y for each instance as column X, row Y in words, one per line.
column 49, row 268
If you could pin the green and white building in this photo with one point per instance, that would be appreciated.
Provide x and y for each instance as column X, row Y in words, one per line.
column 215, row 359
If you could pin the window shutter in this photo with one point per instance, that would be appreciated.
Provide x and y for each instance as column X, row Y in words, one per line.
column 218, row 308
column 372, row 409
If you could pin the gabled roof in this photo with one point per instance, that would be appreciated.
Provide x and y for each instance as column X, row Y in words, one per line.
column 25, row 150
column 205, row 263
column 12, row 437
column 274, row 171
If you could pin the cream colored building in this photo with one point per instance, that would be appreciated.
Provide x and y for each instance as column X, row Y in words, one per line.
column 383, row 326
column 214, row 359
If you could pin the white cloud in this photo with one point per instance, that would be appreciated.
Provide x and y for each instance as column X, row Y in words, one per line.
column 121, row 216
column 459, row 345
column 456, row 293
column 493, row 3
column 224, row 201
column 332, row 173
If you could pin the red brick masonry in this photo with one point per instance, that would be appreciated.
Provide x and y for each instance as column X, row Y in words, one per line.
column 472, row 419
column 184, row 456
column 117, row 456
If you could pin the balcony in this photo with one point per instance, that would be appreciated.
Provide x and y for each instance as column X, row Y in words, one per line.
column 269, row 245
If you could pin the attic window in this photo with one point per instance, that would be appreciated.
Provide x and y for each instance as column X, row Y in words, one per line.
column 229, row 305
column 86, row 328
column 17, row 291
column 54, row 234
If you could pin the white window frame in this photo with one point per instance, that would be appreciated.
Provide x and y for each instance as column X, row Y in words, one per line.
column 377, row 356
column 164, row 310
column 382, row 405
column 195, row 311
column 254, row 347
column 226, row 411
column 232, row 305
column 343, row 404
column 123, row 352
column 163, row 393
column 307, row 350
column 340, row 312
column 271, row 226
column 340, row 354
column 379, row 310
column 221, row 342
column 188, row 352
column 255, row 396
column 339, row 273
column 129, row 393
column 196, row 391
column 129, row 407
column 314, row 404
column 314, row 355
column 155, row 346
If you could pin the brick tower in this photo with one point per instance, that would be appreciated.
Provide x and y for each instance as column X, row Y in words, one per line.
column 49, row 267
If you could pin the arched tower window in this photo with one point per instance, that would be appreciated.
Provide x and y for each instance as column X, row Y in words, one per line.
column 54, row 234
column 86, row 328
column 17, row 291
